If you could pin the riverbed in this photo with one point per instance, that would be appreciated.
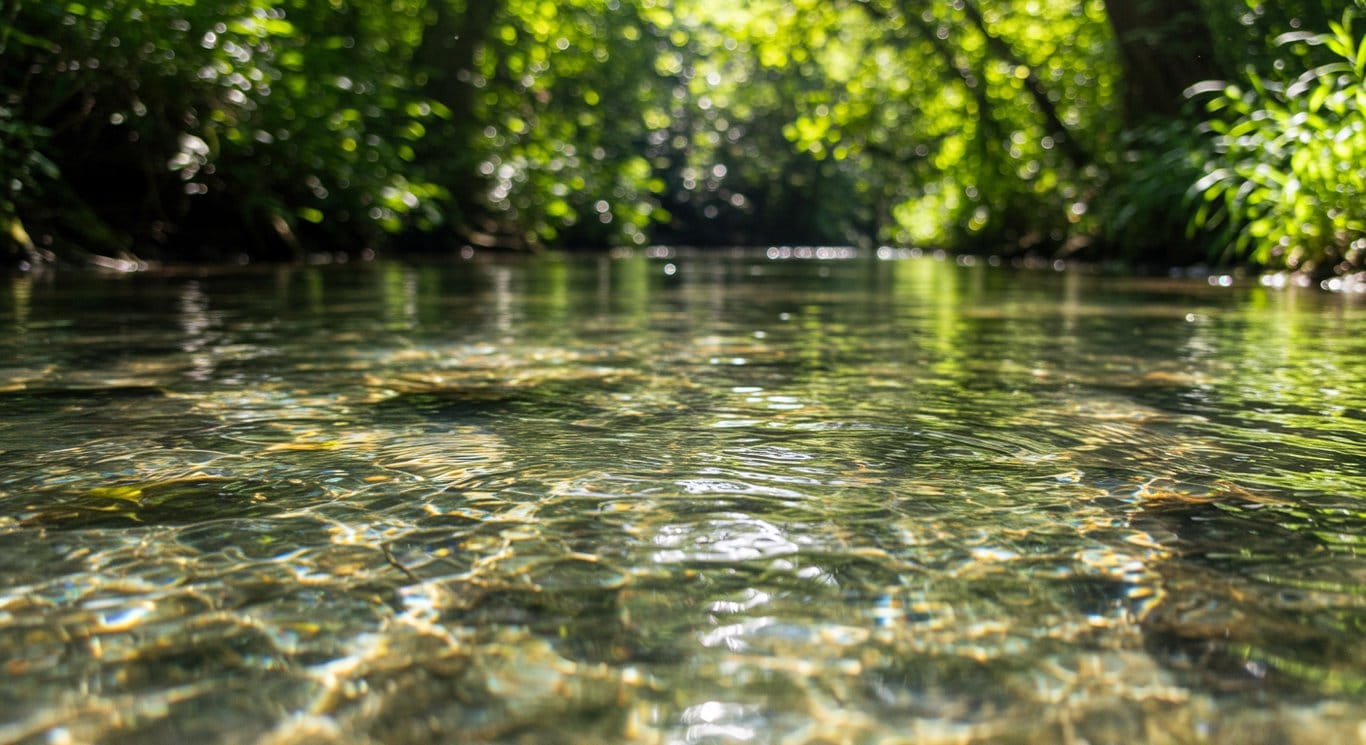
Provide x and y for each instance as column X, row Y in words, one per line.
column 668, row 497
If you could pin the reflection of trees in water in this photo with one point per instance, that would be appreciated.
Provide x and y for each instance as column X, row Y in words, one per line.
column 1255, row 595
column 768, row 501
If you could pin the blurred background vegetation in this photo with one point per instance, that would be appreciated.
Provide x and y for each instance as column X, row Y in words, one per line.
column 1156, row 132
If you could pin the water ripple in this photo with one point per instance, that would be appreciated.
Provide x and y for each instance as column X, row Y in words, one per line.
column 898, row 501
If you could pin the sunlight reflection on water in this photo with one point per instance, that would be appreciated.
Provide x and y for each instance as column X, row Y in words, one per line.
column 580, row 501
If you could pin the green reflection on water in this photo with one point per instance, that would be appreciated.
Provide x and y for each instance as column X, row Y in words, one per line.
column 589, row 500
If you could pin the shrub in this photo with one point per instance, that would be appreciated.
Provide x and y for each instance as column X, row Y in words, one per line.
column 1286, row 186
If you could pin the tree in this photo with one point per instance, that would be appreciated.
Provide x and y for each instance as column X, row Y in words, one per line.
column 187, row 128
column 1165, row 47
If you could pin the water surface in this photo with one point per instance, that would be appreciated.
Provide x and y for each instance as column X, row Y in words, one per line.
column 679, row 499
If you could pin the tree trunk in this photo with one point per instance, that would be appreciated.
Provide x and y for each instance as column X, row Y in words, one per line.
column 446, row 61
column 1165, row 46
column 446, row 54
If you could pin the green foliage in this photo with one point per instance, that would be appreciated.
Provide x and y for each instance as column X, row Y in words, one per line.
column 563, row 92
column 188, row 128
column 723, row 143
column 1247, row 32
column 322, row 143
column 26, row 169
column 297, row 123
column 967, row 122
column 1143, row 216
column 166, row 114
column 1286, row 187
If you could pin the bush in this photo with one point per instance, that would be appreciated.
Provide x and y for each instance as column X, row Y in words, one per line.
column 1143, row 217
column 1286, row 186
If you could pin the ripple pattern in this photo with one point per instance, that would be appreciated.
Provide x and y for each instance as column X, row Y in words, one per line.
column 751, row 502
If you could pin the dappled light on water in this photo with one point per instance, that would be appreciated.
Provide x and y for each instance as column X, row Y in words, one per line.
column 754, row 499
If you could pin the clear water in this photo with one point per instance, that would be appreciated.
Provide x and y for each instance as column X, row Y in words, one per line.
column 684, row 499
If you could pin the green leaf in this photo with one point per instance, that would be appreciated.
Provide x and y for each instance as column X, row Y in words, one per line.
column 1308, row 37
column 1317, row 98
column 1210, row 179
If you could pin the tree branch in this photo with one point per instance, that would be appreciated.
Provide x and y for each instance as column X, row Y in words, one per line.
column 1061, row 133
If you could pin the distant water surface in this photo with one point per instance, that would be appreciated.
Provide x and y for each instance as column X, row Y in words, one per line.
column 678, row 498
